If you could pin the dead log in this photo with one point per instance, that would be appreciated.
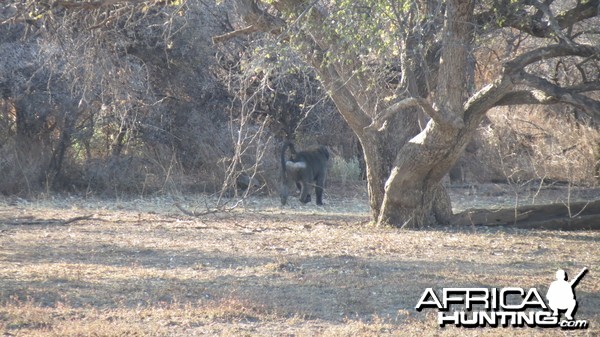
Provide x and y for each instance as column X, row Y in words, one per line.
column 560, row 216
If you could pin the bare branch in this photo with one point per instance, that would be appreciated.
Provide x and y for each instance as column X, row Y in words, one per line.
column 429, row 109
column 521, row 97
column 535, row 25
column 395, row 108
column 553, row 22
column 585, row 87
column 537, row 96
column 90, row 4
column 584, row 10
column 196, row 214
column 48, row 222
column 548, row 52
column 228, row 36
column 554, row 93
column 486, row 98
column 257, row 20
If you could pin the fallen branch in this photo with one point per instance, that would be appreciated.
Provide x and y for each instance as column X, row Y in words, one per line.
column 194, row 213
column 91, row 5
column 58, row 222
column 549, row 216
column 220, row 208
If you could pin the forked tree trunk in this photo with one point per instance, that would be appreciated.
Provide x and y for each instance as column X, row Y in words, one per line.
column 406, row 199
column 414, row 195
column 380, row 147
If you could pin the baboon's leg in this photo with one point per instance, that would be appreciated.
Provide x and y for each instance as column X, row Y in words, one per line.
column 304, row 196
column 319, row 189
column 319, row 193
column 299, row 186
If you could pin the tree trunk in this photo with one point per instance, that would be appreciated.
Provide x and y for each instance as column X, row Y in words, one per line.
column 58, row 154
column 117, row 145
column 414, row 195
column 380, row 147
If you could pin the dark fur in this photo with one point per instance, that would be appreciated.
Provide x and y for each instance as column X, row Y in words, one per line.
column 303, row 169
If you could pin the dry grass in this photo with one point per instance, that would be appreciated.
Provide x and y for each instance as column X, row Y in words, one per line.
column 535, row 142
column 141, row 268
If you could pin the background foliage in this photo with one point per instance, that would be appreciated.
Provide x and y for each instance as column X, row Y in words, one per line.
column 134, row 98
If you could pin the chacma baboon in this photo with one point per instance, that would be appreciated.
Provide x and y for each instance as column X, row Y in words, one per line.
column 303, row 169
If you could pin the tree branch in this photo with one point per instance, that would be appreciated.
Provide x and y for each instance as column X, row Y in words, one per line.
column 534, row 25
column 553, row 23
column 486, row 98
column 257, row 20
column 543, row 92
column 89, row 5
column 389, row 112
column 548, row 52
column 340, row 90
column 428, row 109
column 228, row 36
column 521, row 97
column 340, row 75
column 564, row 95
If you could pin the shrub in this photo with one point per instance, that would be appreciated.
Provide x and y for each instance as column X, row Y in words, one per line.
column 344, row 170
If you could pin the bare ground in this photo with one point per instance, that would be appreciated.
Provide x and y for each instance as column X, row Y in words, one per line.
column 75, row 267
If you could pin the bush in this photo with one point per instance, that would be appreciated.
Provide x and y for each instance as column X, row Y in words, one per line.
column 23, row 167
column 344, row 170
column 523, row 144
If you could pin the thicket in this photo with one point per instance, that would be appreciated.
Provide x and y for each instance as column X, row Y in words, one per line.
column 138, row 100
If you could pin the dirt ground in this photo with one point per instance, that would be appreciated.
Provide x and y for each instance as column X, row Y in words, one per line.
column 140, row 267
